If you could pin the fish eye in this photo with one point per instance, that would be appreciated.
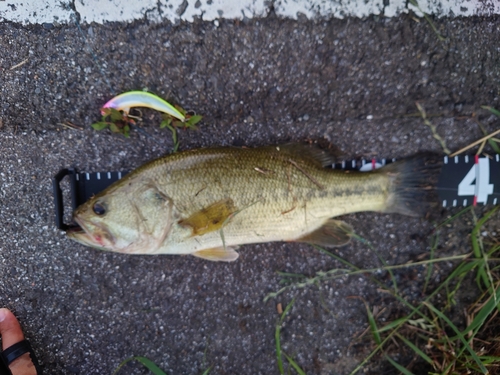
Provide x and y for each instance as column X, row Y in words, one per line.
column 99, row 209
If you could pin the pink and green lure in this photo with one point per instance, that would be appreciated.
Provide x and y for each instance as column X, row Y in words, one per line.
column 127, row 100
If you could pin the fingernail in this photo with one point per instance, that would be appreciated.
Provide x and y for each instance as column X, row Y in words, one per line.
column 3, row 314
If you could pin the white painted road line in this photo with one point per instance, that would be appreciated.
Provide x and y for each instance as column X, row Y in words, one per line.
column 100, row 11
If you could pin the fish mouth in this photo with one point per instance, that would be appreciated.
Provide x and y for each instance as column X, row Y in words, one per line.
column 80, row 232
column 74, row 229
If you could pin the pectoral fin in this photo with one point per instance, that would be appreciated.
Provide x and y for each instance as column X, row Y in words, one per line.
column 333, row 233
column 218, row 254
column 211, row 218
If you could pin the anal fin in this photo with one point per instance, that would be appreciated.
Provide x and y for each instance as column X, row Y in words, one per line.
column 218, row 254
column 333, row 233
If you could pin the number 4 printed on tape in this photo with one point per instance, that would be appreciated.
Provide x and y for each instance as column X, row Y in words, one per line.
column 477, row 181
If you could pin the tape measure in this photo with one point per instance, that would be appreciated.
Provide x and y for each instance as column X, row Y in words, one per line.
column 464, row 180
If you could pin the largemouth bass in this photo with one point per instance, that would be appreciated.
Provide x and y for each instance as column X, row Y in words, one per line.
column 207, row 202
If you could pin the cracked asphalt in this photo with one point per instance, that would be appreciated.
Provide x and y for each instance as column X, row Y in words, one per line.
column 351, row 83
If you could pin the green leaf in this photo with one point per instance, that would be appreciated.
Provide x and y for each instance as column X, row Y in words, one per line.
column 166, row 123
column 193, row 120
column 105, row 112
column 150, row 365
column 126, row 131
column 177, row 123
column 116, row 115
column 174, row 136
column 206, row 371
column 100, row 125
column 170, row 127
column 114, row 128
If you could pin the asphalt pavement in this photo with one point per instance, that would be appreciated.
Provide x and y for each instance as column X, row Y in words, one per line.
column 352, row 83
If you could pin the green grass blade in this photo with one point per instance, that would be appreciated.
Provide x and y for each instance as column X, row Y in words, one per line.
column 150, row 365
column 206, row 371
column 478, row 248
column 291, row 275
column 488, row 359
column 277, row 333
column 336, row 257
column 483, row 314
column 422, row 355
column 398, row 366
column 456, row 216
column 492, row 110
column 373, row 325
column 275, row 294
column 463, row 268
column 281, row 369
column 427, row 18
column 434, row 245
column 492, row 143
column 394, row 324
column 294, row 364
column 287, row 309
column 382, row 260
column 493, row 250
column 460, row 336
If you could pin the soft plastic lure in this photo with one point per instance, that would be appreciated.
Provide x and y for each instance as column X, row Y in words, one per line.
column 127, row 100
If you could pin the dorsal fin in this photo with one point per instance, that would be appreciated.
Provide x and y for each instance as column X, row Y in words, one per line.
column 311, row 153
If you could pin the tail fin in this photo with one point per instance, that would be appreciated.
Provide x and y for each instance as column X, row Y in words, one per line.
column 413, row 184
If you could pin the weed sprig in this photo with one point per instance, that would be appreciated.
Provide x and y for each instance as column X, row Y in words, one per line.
column 121, row 122
column 279, row 352
column 426, row 330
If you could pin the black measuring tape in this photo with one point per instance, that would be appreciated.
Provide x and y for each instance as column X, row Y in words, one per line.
column 464, row 180
column 469, row 180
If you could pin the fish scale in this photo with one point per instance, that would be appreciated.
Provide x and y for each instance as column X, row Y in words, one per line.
column 207, row 202
column 266, row 201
